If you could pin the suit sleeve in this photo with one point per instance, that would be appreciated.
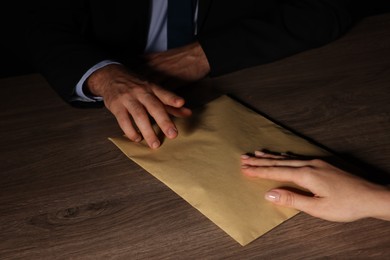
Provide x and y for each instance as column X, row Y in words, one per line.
column 290, row 27
column 59, row 46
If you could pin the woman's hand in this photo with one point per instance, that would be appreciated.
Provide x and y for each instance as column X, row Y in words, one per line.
column 337, row 195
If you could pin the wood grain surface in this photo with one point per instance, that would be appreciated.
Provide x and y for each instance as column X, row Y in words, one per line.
column 66, row 192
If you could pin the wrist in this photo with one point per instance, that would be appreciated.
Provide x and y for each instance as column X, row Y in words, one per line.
column 382, row 204
column 98, row 80
column 202, row 58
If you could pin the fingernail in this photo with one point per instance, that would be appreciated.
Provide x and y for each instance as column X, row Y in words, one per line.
column 272, row 196
column 172, row 132
column 178, row 100
column 244, row 166
column 244, row 156
column 155, row 145
column 138, row 139
column 259, row 153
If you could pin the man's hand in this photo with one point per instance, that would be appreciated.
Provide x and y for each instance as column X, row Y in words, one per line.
column 132, row 100
column 187, row 63
column 337, row 195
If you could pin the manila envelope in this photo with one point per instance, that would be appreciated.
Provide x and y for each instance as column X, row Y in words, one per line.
column 202, row 165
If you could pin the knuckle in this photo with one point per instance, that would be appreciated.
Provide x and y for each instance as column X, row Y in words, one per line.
column 166, row 123
column 140, row 89
column 133, row 136
column 152, row 101
column 276, row 162
column 305, row 175
column 137, row 110
column 116, row 101
column 124, row 98
column 118, row 113
column 288, row 199
column 266, row 172
column 150, row 138
column 155, row 87
column 109, row 106
column 251, row 171
column 306, row 170
column 317, row 162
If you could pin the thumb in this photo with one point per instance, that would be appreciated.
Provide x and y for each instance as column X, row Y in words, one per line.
column 289, row 199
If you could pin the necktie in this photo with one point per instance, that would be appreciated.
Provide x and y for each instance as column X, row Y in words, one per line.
column 180, row 22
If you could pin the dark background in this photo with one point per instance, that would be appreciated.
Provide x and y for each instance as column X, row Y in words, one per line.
column 14, row 18
column 13, row 45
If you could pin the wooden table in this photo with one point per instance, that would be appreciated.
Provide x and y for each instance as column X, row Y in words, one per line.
column 67, row 192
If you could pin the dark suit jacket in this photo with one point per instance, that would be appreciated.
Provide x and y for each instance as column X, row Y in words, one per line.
column 69, row 37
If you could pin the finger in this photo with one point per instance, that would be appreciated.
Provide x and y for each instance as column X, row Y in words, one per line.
column 265, row 162
column 157, row 110
column 124, row 121
column 291, row 199
column 141, row 119
column 268, row 155
column 167, row 97
column 181, row 112
column 297, row 175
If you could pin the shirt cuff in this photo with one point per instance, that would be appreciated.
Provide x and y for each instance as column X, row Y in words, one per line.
column 79, row 94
